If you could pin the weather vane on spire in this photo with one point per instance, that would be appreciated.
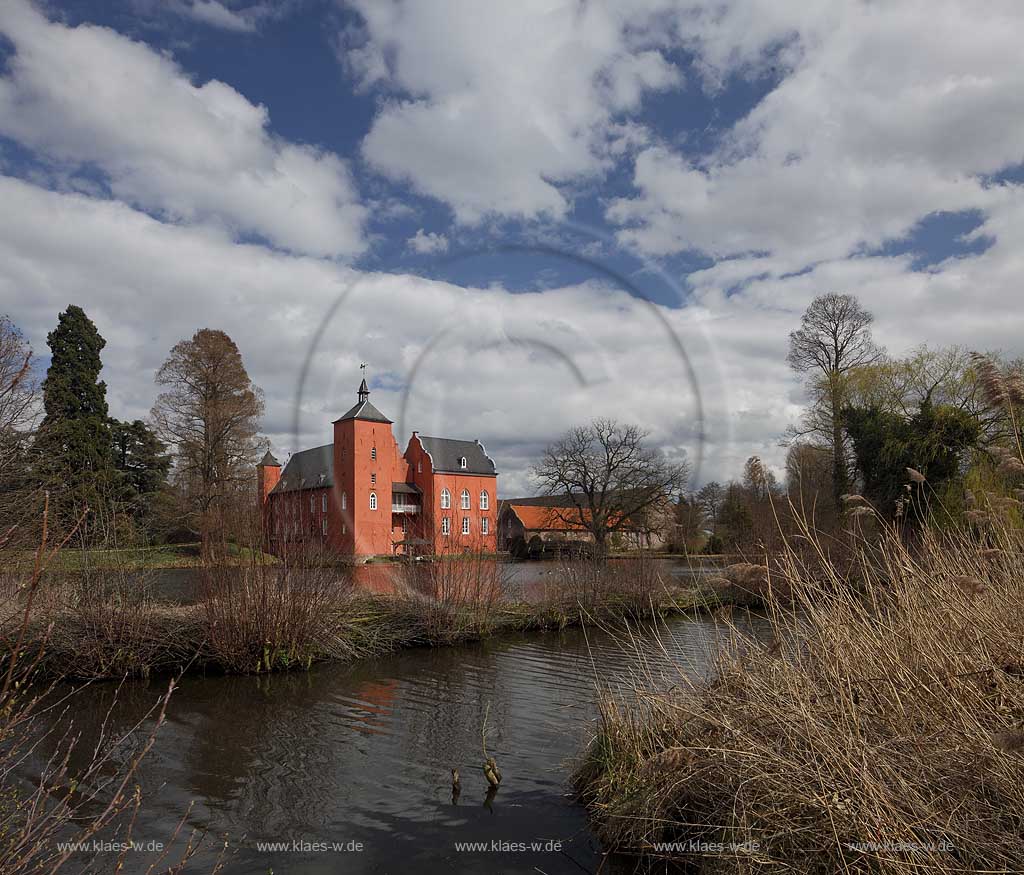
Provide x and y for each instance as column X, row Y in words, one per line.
column 362, row 367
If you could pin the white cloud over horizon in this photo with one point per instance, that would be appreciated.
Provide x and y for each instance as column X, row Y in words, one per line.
column 879, row 116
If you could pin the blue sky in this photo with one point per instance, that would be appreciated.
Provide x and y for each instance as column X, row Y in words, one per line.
column 507, row 188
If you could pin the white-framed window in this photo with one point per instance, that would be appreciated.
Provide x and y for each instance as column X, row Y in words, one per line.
column 419, row 467
column 373, row 501
column 446, row 499
column 465, row 499
column 465, row 525
column 373, row 479
column 344, row 501
column 405, row 525
column 485, row 526
column 485, row 500
column 323, row 503
column 446, row 525
column 373, row 453
column 323, row 524
column 462, row 462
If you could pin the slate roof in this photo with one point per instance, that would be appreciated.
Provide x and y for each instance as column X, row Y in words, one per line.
column 406, row 488
column 307, row 469
column 364, row 410
column 445, row 454
column 268, row 461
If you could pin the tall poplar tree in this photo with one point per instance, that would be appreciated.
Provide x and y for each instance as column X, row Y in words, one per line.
column 74, row 437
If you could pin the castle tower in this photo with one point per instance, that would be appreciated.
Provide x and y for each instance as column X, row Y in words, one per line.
column 268, row 472
column 366, row 463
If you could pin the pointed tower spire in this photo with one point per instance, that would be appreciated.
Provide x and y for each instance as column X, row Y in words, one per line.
column 364, row 391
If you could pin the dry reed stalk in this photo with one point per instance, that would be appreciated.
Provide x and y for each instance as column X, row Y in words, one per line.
column 886, row 709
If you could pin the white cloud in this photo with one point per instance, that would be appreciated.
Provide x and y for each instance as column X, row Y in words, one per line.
column 539, row 362
column 887, row 112
column 218, row 15
column 505, row 104
column 89, row 97
column 427, row 242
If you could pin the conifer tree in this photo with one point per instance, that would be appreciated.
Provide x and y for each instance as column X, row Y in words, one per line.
column 74, row 437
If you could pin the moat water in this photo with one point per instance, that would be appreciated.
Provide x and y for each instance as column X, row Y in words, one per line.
column 349, row 765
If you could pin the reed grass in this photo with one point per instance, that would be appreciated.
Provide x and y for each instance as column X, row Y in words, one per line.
column 262, row 617
column 879, row 728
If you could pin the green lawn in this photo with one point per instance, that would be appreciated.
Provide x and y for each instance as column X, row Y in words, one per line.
column 160, row 556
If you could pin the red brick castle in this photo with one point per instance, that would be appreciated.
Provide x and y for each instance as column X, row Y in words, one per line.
column 361, row 496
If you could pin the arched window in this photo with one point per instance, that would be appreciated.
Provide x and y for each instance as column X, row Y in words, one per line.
column 446, row 525
column 373, row 501
column 462, row 462
column 465, row 499
column 485, row 500
column 446, row 499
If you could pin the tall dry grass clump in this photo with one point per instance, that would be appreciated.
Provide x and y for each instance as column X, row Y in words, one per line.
column 591, row 589
column 263, row 617
column 879, row 729
column 453, row 598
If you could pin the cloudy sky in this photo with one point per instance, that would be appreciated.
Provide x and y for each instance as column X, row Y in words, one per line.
column 520, row 215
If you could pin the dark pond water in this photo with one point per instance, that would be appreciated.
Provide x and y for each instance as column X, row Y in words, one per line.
column 362, row 753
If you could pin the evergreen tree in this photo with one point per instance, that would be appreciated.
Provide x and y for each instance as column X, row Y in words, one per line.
column 142, row 463
column 933, row 440
column 74, row 438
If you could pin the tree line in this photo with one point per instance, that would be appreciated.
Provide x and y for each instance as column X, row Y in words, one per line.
column 185, row 473
column 923, row 436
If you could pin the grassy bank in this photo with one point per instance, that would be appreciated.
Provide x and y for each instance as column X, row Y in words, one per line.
column 881, row 729
column 269, row 618
column 130, row 558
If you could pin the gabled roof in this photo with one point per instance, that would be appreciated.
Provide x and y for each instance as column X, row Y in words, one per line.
column 364, row 410
column 534, row 516
column 308, row 469
column 445, row 455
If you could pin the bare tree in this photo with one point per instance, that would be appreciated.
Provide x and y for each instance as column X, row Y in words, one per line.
column 19, row 390
column 710, row 498
column 612, row 479
column 808, row 475
column 833, row 339
column 209, row 415
column 19, row 411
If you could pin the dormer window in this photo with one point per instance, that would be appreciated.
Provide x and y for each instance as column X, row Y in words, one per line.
column 462, row 462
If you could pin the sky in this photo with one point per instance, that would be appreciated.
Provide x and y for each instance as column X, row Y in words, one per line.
column 519, row 216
